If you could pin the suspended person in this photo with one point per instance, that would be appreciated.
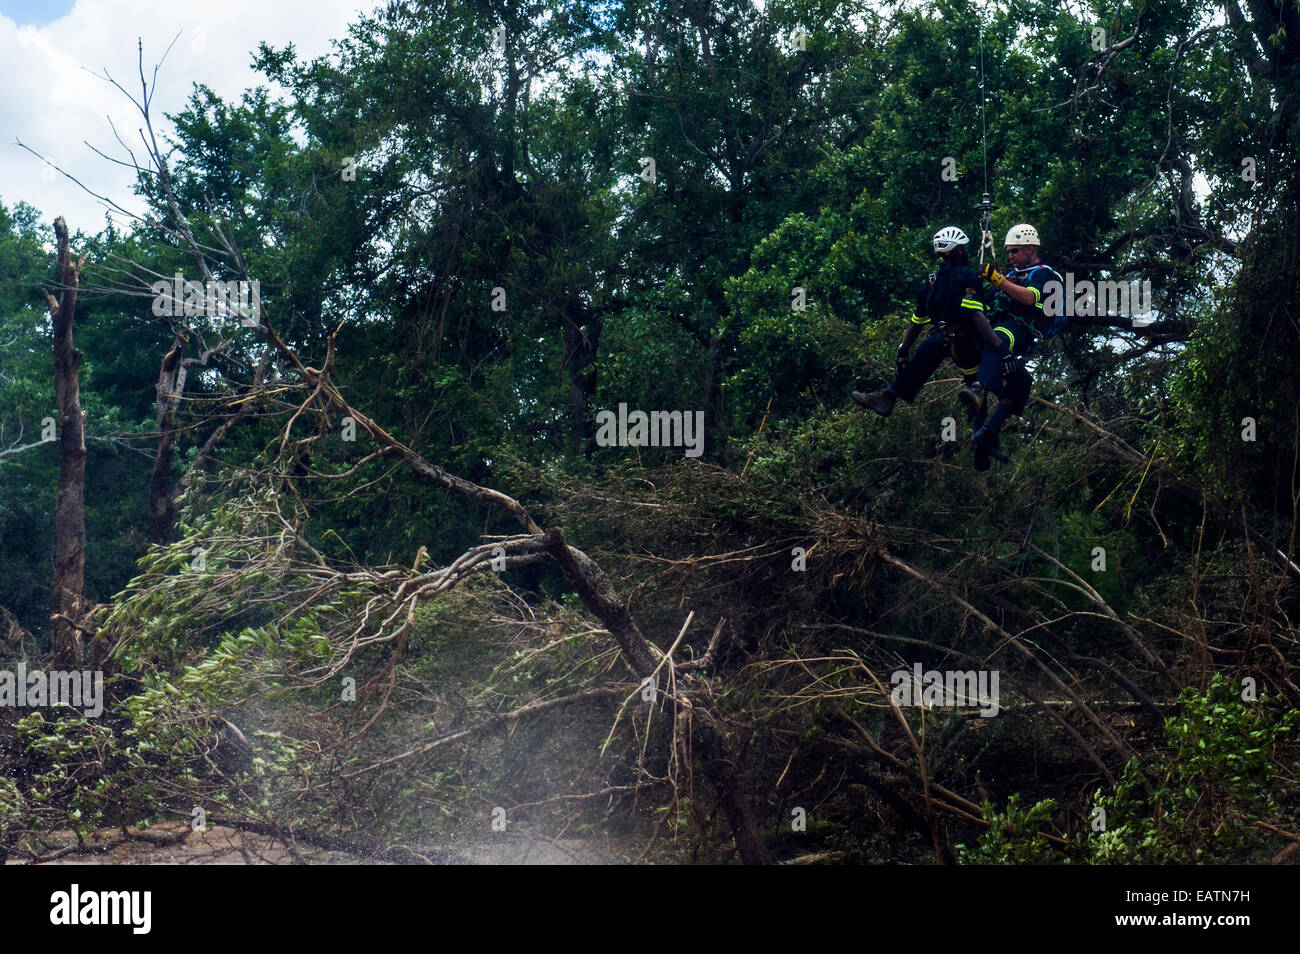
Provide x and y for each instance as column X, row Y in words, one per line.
column 948, row 303
column 1018, row 320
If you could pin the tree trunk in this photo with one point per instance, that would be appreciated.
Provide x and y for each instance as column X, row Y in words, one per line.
column 171, row 382
column 714, row 416
column 716, row 755
column 581, row 344
column 70, row 499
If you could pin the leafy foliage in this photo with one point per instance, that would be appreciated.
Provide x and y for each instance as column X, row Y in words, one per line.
column 487, row 238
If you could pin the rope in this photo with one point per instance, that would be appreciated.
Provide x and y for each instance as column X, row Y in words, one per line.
column 986, row 207
column 984, row 131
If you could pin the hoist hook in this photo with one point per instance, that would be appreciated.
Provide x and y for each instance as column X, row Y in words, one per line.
column 986, row 208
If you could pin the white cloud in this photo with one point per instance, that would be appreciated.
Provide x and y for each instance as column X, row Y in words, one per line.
column 50, row 99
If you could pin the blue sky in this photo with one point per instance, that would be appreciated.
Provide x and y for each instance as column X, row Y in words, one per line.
column 34, row 12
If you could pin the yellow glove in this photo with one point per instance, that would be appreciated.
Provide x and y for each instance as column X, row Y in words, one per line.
column 989, row 272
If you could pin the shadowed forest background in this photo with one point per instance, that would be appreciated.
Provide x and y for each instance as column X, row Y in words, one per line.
column 360, row 578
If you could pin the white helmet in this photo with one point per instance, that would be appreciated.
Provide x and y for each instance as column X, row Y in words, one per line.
column 948, row 238
column 1023, row 234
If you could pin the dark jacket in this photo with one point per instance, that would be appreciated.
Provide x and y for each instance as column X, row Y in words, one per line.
column 948, row 300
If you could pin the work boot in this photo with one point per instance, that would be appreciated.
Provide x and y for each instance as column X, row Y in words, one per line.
column 986, row 441
column 882, row 402
column 972, row 397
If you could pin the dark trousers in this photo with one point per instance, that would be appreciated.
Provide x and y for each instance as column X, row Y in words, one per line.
column 1013, row 391
column 929, row 355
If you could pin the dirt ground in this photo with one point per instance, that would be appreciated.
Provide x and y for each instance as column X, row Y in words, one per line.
column 219, row 845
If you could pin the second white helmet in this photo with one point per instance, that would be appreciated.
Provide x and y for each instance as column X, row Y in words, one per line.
column 1023, row 234
column 948, row 238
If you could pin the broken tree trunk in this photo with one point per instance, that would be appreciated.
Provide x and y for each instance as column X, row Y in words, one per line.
column 719, row 762
column 171, row 383
column 70, row 499
column 714, row 752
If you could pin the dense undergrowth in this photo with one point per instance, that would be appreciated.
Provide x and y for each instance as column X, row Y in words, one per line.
column 830, row 565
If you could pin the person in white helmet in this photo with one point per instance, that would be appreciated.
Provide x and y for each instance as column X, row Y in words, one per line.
column 949, row 306
column 1016, row 314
